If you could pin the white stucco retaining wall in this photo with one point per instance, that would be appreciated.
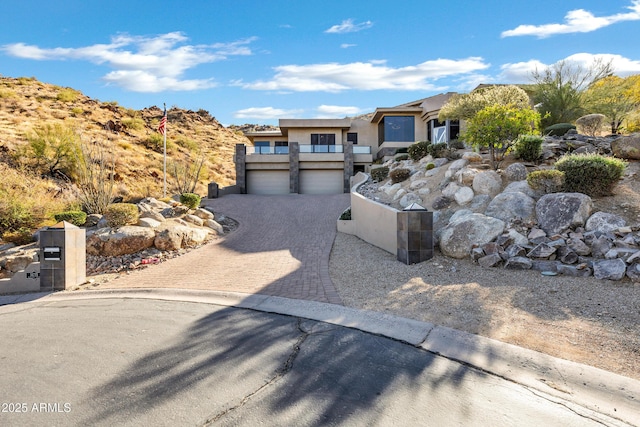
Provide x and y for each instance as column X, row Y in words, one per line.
column 374, row 222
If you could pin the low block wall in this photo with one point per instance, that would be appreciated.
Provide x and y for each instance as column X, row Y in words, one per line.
column 375, row 223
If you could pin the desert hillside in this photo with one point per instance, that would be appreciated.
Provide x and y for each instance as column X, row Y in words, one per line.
column 130, row 135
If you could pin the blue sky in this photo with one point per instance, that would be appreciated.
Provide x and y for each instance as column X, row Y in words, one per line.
column 257, row 61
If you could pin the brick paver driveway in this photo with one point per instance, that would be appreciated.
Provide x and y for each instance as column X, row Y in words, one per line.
column 280, row 248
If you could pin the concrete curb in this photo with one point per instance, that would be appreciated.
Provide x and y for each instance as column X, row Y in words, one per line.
column 605, row 395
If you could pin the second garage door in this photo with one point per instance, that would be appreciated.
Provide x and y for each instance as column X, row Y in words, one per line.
column 321, row 181
column 267, row 182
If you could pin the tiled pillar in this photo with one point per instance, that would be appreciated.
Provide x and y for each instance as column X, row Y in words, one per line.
column 415, row 235
column 241, row 168
column 348, row 165
column 294, row 167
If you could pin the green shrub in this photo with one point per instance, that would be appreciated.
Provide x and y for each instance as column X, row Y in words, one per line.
column 67, row 95
column 399, row 175
column 119, row 214
column 546, row 181
column 190, row 200
column 558, row 129
column 430, row 166
column 77, row 111
column 418, row 150
column 74, row 217
column 438, row 150
column 20, row 237
column 590, row 174
column 346, row 215
column 529, row 147
column 401, row 157
column 456, row 144
column 133, row 123
column 380, row 174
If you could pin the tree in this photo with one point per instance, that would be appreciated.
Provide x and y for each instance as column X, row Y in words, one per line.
column 465, row 106
column 55, row 148
column 558, row 90
column 498, row 126
column 614, row 97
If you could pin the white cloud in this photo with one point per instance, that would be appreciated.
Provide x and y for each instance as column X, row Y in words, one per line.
column 347, row 45
column 348, row 26
column 520, row 72
column 142, row 64
column 576, row 21
column 372, row 75
column 337, row 111
column 265, row 113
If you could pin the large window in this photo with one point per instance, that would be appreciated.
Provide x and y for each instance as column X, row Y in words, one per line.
column 262, row 147
column 352, row 137
column 397, row 129
column 323, row 139
column 281, row 147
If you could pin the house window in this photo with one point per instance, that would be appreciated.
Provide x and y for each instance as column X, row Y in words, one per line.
column 262, row 147
column 323, row 139
column 352, row 137
column 397, row 129
column 281, row 147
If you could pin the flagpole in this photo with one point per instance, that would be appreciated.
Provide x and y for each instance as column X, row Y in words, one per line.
column 164, row 150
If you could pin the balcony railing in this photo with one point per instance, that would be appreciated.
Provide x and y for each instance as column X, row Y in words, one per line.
column 321, row 149
column 268, row 150
column 361, row 149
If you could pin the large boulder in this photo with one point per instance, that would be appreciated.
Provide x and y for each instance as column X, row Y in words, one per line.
column 521, row 186
column 509, row 206
column 175, row 236
column 610, row 269
column 558, row 212
column 457, row 238
column 627, row 147
column 487, row 182
column 516, row 172
column 463, row 195
column 120, row 241
column 604, row 221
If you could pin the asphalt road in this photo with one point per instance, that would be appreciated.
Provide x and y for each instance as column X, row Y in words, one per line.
column 164, row 363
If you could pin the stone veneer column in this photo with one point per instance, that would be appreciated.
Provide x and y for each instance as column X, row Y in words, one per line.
column 294, row 167
column 348, row 165
column 241, row 168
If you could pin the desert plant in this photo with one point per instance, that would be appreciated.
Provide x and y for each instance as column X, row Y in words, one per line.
column 591, row 174
column 438, row 150
column 379, row 174
column 56, row 149
column 67, row 95
column 133, row 123
column 346, row 215
column 456, row 144
column 546, row 181
column 96, row 178
column 20, row 237
column 418, row 150
column 76, row 111
column 559, row 129
column 590, row 124
column 187, row 173
column 190, row 200
column 155, row 142
column 119, row 214
column 74, row 217
column 430, row 166
column 528, row 147
column 399, row 175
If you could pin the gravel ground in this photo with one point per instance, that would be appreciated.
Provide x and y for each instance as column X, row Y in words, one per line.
column 584, row 320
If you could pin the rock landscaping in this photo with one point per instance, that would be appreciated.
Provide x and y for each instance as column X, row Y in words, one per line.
column 498, row 220
column 164, row 230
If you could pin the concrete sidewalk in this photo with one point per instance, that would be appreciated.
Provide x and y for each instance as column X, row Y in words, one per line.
column 614, row 397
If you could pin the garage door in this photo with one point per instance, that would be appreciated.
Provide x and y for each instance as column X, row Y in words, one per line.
column 321, row 181
column 268, row 182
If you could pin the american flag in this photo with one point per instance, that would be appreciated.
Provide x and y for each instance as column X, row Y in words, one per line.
column 163, row 123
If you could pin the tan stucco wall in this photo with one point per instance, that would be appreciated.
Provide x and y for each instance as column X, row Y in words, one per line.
column 375, row 223
column 303, row 136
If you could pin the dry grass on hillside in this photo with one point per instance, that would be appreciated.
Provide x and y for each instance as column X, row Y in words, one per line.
column 26, row 104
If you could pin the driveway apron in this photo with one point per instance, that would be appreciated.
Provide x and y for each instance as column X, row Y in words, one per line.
column 281, row 247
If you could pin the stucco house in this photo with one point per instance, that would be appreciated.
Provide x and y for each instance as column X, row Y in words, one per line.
column 319, row 156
